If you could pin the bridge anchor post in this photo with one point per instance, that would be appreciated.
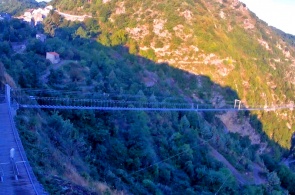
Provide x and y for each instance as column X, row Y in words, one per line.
column 237, row 104
column 7, row 93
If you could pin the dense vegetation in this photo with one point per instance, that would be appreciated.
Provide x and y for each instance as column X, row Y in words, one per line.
column 246, row 47
column 17, row 6
column 145, row 152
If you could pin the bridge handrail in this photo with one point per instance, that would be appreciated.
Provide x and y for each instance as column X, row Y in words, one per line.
column 21, row 149
column 33, row 100
column 1, row 173
column 145, row 104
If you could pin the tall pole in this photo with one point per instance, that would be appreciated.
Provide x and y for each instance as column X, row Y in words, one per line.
column 7, row 93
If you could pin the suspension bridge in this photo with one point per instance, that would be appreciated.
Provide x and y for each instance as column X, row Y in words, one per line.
column 45, row 99
column 16, row 174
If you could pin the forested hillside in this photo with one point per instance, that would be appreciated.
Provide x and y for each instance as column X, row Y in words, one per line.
column 220, row 39
column 206, row 51
column 17, row 6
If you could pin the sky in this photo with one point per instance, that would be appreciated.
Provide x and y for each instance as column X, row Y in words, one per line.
column 277, row 13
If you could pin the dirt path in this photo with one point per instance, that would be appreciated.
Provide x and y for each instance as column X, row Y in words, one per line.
column 234, row 171
column 74, row 17
column 245, row 178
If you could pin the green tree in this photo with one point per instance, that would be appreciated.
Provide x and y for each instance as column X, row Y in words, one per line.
column 104, row 39
column 81, row 32
column 55, row 77
column 118, row 38
column 184, row 123
column 36, row 46
column 104, row 12
column 5, row 48
column 273, row 180
column 133, row 47
column 92, row 26
column 287, row 177
column 252, row 190
column 150, row 54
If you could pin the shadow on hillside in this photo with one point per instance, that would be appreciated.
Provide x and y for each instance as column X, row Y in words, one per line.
column 113, row 70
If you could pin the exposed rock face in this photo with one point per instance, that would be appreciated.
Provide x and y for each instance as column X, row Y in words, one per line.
column 242, row 126
column 120, row 8
column 159, row 28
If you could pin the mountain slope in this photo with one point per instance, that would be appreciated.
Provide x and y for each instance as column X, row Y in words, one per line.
column 287, row 37
column 219, row 39
column 16, row 6
column 189, row 51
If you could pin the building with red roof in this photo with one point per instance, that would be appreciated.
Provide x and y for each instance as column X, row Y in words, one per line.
column 53, row 57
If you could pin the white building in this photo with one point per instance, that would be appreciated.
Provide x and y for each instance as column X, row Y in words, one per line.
column 53, row 57
column 28, row 15
column 36, row 15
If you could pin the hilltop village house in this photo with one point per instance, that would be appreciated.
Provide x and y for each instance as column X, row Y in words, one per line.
column 28, row 15
column 36, row 16
column 53, row 57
